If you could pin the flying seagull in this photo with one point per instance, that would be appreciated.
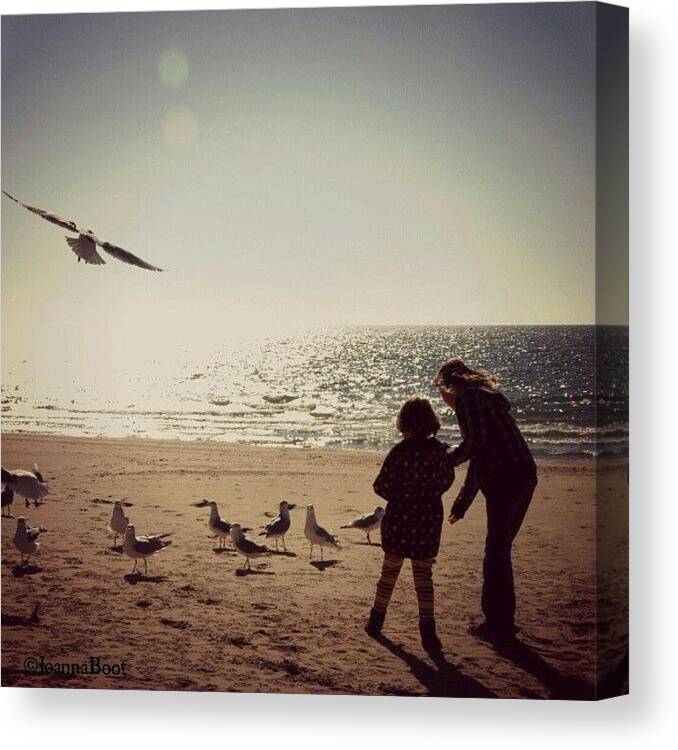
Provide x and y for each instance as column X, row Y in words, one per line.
column 368, row 522
column 316, row 534
column 85, row 244
column 278, row 527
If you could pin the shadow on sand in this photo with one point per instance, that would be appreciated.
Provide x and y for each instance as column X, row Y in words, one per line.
column 444, row 680
column 223, row 551
column 323, row 564
column 19, row 571
column 22, row 621
column 253, row 572
column 560, row 686
column 116, row 548
column 282, row 553
column 367, row 544
column 134, row 578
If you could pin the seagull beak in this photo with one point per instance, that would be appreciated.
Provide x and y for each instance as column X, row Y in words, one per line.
column 291, row 506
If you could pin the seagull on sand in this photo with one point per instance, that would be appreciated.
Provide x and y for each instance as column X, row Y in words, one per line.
column 220, row 528
column 246, row 547
column 26, row 484
column 143, row 546
column 118, row 523
column 85, row 244
column 7, row 500
column 317, row 535
column 25, row 539
column 368, row 522
column 278, row 527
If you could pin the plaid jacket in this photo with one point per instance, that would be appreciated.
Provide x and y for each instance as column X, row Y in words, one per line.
column 492, row 442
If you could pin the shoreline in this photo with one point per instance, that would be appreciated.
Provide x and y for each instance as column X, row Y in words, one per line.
column 565, row 460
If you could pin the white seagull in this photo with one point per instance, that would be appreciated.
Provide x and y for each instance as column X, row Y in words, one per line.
column 118, row 523
column 25, row 539
column 26, row 484
column 246, row 547
column 85, row 244
column 217, row 525
column 143, row 547
column 368, row 522
column 317, row 535
column 278, row 527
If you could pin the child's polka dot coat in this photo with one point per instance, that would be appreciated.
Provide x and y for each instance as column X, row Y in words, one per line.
column 415, row 474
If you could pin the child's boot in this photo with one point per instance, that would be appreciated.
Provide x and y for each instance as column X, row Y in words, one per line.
column 429, row 639
column 375, row 623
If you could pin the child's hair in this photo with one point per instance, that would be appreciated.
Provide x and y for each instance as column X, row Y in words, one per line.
column 454, row 375
column 416, row 416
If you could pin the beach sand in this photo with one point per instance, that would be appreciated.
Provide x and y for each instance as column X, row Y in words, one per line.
column 291, row 626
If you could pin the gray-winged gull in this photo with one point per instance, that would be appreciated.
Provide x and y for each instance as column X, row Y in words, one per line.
column 246, row 547
column 143, row 547
column 317, row 535
column 368, row 522
column 26, row 539
column 278, row 527
column 85, row 244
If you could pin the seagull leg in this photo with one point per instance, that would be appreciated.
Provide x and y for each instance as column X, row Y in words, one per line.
column 321, row 553
column 135, row 566
column 145, row 566
column 369, row 541
column 310, row 557
column 284, row 547
column 249, row 567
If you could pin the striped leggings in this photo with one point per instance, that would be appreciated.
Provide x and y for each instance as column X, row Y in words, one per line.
column 423, row 584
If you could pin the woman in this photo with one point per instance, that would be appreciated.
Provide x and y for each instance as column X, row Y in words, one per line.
column 502, row 466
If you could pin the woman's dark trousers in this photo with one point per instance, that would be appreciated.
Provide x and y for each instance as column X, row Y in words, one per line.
column 508, row 497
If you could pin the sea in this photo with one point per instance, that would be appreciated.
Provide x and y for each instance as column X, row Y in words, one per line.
column 340, row 388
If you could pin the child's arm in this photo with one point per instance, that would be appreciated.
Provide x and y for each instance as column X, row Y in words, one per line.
column 386, row 480
column 467, row 493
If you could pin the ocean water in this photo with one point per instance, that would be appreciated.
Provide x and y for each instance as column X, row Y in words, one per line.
column 338, row 388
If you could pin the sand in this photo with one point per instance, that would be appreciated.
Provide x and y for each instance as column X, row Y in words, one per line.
column 292, row 626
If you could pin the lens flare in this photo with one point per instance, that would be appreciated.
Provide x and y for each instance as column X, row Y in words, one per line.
column 173, row 68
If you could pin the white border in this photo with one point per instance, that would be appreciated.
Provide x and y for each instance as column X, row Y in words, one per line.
column 60, row 718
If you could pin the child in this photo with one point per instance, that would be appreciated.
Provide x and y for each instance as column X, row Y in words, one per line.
column 415, row 474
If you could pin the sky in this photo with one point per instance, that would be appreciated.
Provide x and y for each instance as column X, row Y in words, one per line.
column 295, row 168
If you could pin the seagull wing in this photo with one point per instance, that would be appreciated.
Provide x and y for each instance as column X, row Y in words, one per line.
column 85, row 247
column 126, row 257
column 250, row 547
column 149, row 545
column 46, row 215
column 272, row 526
column 222, row 525
column 325, row 534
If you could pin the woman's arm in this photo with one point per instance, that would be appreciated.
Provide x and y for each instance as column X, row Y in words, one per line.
column 470, row 411
column 467, row 493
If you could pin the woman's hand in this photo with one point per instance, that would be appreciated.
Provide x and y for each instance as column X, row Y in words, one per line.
column 453, row 519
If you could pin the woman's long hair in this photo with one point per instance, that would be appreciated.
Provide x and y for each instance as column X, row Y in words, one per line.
column 455, row 375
